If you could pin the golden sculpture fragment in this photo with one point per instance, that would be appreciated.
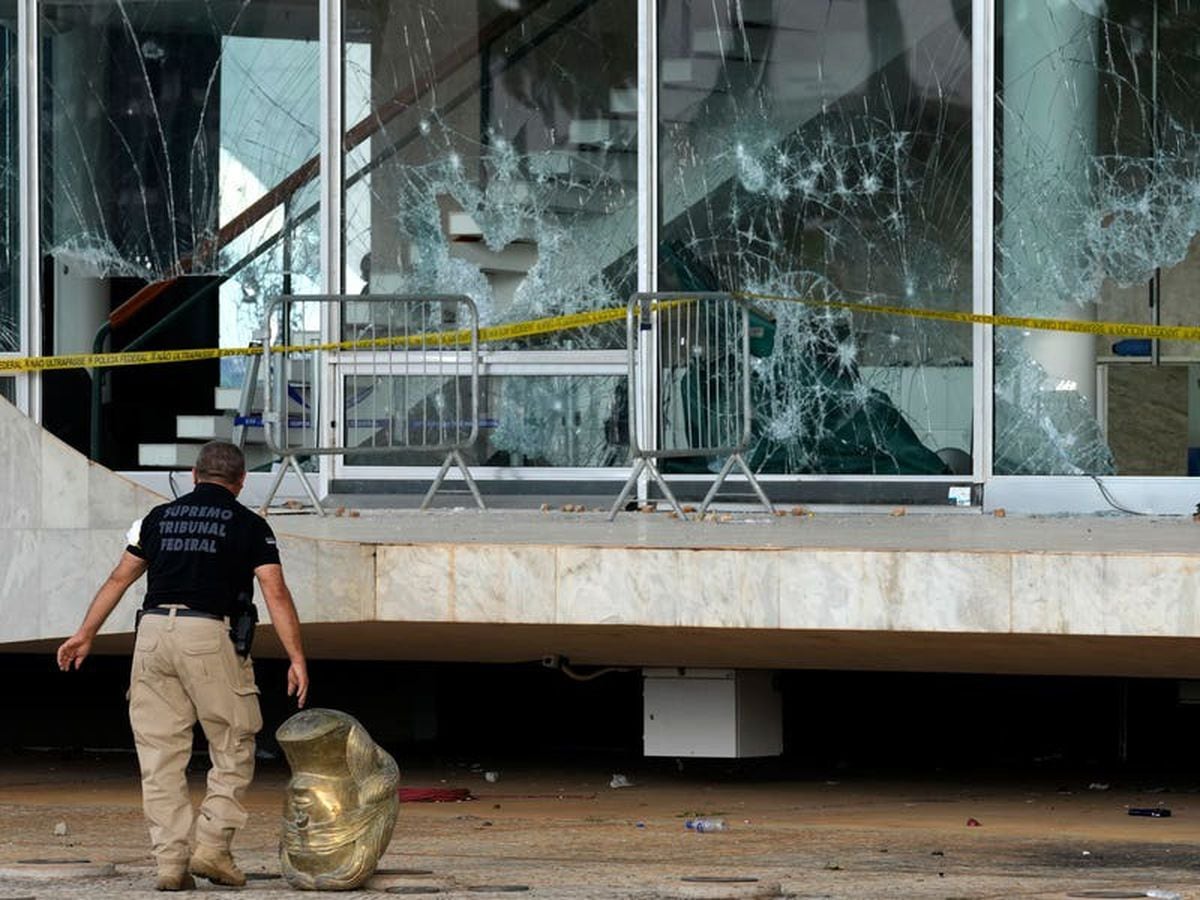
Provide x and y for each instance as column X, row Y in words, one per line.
column 341, row 801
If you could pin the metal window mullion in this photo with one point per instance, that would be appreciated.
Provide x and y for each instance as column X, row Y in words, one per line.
column 742, row 418
column 332, row 127
column 29, row 394
column 648, row 214
column 983, row 73
column 1155, row 279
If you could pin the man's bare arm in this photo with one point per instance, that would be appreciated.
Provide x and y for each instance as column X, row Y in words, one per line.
column 287, row 625
column 75, row 649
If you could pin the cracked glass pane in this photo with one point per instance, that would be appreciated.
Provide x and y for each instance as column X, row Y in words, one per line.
column 491, row 151
column 548, row 420
column 10, row 205
column 823, row 151
column 1098, row 213
column 178, row 160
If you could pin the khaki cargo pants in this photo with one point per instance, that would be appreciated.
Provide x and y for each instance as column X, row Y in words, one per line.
column 185, row 670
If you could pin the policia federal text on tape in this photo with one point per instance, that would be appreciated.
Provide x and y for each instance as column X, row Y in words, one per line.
column 191, row 660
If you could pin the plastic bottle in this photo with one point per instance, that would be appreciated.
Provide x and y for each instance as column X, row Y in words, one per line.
column 702, row 826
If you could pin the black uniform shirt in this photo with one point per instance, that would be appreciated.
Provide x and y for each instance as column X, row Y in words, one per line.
column 203, row 549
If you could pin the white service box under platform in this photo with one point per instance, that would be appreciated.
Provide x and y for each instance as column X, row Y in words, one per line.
column 719, row 713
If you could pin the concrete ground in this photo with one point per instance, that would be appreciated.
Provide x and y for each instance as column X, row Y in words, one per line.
column 561, row 831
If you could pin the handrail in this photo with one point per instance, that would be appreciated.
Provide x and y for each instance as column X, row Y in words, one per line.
column 99, row 374
column 357, row 134
column 102, row 333
column 282, row 192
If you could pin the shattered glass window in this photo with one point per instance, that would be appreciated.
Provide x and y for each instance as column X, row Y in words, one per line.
column 823, row 151
column 491, row 151
column 567, row 420
column 10, row 204
column 1098, row 212
column 269, row 184
column 178, row 160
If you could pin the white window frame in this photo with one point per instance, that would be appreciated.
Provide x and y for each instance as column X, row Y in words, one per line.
column 648, row 209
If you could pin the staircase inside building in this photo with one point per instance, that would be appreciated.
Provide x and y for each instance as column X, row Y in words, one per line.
column 704, row 82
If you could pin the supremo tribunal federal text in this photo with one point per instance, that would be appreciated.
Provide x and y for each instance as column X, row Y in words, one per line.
column 197, row 520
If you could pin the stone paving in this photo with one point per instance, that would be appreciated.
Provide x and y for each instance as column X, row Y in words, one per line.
column 567, row 834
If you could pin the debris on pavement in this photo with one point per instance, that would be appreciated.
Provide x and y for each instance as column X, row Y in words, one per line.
column 433, row 795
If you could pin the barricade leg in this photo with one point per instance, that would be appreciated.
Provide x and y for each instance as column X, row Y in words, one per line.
column 466, row 473
column 735, row 459
column 275, row 482
column 290, row 461
column 634, row 474
column 762, row 495
column 640, row 464
column 662, row 486
column 716, row 485
column 453, row 458
column 246, row 397
column 312, row 495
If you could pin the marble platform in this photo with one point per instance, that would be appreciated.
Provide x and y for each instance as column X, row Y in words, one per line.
column 953, row 591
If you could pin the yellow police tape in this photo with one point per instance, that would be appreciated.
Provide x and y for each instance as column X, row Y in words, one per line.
column 491, row 333
column 1114, row 329
column 551, row 324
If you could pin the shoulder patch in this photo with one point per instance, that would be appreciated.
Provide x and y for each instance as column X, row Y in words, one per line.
column 133, row 537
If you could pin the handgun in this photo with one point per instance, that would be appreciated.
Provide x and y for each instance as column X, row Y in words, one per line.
column 241, row 627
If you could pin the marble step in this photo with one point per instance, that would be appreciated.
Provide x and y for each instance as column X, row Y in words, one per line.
column 602, row 132
column 733, row 43
column 674, row 105
column 461, row 226
column 516, row 257
column 208, row 428
column 574, row 198
column 586, row 164
column 183, row 456
column 227, row 399
column 697, row 74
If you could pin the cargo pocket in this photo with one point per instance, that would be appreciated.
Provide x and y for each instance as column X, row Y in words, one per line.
column 141, row 672
column 247, row 716
column 203, row 659
column 245, row 690
column 143, row 647
column 245, row 674
column 147, row 641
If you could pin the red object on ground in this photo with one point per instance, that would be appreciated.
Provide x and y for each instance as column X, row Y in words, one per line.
column 434, row 795
column 974, row 823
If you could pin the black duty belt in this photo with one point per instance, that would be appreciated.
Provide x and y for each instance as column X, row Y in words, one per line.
column 181, row 611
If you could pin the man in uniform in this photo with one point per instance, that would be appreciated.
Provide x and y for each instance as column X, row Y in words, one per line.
column 202, row 552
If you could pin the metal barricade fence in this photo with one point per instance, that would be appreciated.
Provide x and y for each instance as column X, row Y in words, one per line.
column 698, row 374
column 409, row 365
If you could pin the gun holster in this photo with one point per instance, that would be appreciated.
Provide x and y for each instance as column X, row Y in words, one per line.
column 241, row 626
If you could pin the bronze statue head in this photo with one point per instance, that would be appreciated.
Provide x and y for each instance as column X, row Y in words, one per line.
column 341, row 801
